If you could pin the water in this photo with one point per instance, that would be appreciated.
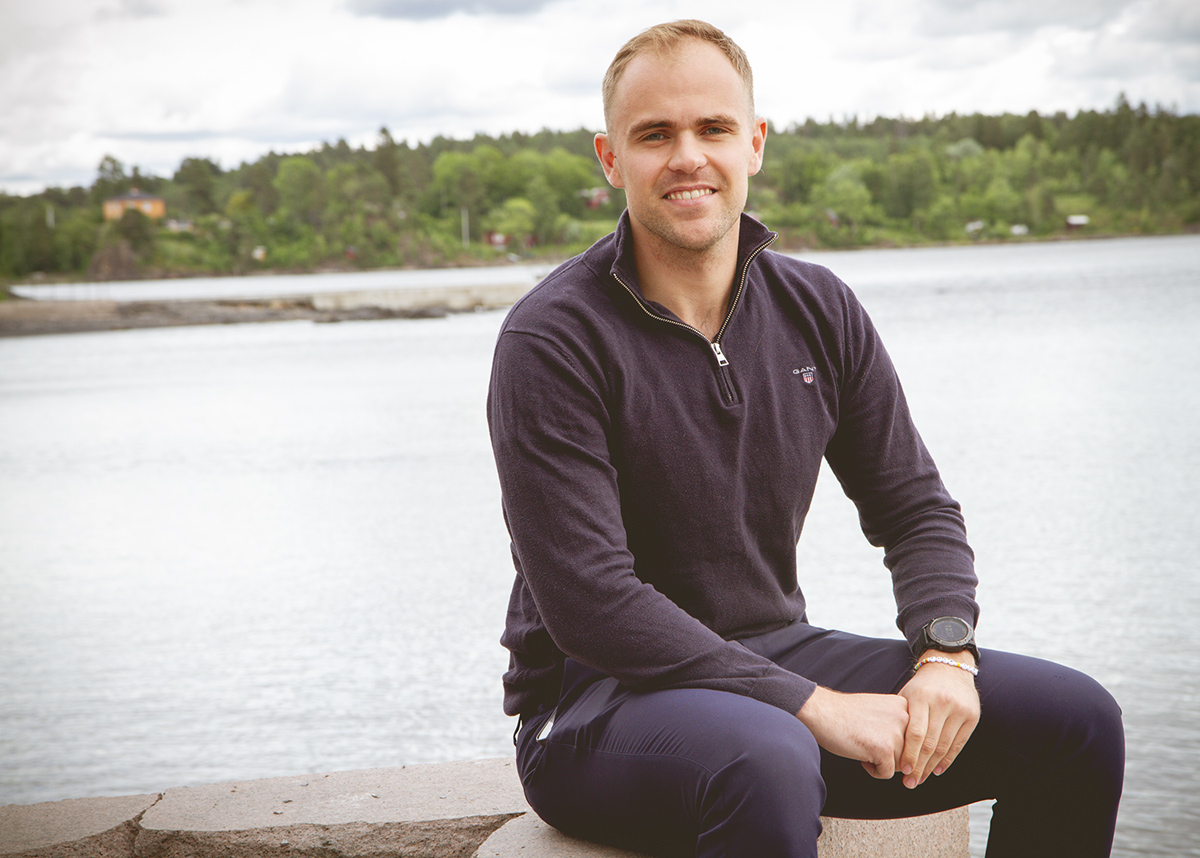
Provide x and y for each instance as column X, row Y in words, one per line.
column 239, row 552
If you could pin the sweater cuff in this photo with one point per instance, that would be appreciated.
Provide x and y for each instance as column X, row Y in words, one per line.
column 784, row 689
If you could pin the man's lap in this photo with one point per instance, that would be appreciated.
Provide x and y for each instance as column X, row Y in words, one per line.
column 652, row 746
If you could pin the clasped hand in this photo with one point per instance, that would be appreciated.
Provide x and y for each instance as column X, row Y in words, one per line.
column 918, row 732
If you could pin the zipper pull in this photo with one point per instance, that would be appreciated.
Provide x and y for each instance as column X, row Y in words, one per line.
column 721, row 359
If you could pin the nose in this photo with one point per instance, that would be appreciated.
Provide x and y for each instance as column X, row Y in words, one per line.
column 687, row 155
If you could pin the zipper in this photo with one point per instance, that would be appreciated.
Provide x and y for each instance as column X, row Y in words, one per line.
column 714, row 344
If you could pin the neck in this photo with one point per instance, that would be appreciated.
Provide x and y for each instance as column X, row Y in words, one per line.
column 695, row 285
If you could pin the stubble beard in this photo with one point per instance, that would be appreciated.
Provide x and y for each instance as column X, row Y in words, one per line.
column 674, row 234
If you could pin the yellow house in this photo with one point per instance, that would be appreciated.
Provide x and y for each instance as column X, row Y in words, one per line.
column 147, row 204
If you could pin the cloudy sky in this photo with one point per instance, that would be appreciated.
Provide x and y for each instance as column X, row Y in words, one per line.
column 154, row 81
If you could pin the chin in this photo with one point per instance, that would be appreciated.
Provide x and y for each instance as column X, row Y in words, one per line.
column 693, row 236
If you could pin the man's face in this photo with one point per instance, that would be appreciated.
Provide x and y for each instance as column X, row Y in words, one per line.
column 683, row 143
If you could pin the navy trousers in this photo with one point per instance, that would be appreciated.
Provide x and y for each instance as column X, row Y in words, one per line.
column 694, row 772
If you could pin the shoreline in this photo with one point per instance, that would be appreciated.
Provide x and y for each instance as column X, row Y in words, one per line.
column 23, row 317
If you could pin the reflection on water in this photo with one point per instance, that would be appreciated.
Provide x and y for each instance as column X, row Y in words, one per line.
column 276, row 549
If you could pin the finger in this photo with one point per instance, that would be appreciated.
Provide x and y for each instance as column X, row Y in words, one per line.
column 883, row 771
column 939, row 736
column 915, row 738
column 960, row 742
column 939, row 745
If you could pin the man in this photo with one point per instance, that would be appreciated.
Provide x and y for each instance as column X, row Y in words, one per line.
column 659, row 410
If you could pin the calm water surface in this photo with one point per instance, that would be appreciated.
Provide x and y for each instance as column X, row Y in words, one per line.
column 239, row 552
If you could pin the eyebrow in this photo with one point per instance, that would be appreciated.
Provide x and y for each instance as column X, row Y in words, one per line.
column 656, row 124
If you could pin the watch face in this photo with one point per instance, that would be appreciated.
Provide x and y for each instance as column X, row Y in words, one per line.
column 950, row 630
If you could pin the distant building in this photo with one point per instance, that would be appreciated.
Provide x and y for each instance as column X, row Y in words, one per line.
column 148, row 204
column 595, row 197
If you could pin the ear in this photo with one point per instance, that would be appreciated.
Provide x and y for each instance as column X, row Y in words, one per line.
column 758, row 142
column 608, row 161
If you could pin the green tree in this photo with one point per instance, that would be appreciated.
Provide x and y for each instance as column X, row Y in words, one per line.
column 546, row 211
column 137, row 229
column 111, row 179
column 198, row 179
column 516, row 219
column 76, row 233
column 352, row 189
column 259, row 179
column 387, row 161
column 459, row 181
column 300, row 185
column 1001, row 202
column 845, row 194
column 910, row 183
column 800, row 172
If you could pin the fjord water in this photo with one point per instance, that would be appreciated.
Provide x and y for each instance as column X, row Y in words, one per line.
column 259, row 550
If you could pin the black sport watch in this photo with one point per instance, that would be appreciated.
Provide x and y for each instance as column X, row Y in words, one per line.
column 948, row 634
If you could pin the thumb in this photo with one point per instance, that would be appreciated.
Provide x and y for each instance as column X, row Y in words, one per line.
column 882, row 770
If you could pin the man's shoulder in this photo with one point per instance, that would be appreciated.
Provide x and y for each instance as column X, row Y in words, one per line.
column 800, row 272
column 808, row 283
column 577, row 287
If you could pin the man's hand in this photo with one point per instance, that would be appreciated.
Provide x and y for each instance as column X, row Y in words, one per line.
column 869, row 728
column 943, row 709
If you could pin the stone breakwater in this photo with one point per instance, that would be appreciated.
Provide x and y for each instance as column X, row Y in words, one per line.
column 27, row 317
column 471, row 809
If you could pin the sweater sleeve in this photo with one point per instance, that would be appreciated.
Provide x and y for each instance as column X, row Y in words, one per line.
column 577, row 581
column 886, row 470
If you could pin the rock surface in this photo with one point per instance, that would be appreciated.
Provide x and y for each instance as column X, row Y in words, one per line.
column 446, row 810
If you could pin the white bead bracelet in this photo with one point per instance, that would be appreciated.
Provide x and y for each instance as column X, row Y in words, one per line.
column 974, row 671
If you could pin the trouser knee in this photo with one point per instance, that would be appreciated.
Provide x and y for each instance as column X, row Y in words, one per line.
column 1090, row 724
column 774, row 777
column 1100, row 732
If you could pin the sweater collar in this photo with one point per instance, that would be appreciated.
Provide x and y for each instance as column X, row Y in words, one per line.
column 753, row 236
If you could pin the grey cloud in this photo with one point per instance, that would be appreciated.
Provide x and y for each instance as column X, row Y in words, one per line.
column 1169, row 21
column 958, row 17
column 423, row 10
column 133, row 9
column 1130, row 62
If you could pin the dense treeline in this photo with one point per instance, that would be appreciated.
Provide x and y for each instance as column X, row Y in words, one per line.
column 888, row 181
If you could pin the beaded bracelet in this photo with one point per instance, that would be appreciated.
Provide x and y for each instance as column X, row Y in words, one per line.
column 974, row 671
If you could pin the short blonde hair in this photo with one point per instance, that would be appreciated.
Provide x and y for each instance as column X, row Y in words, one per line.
column 664, row 38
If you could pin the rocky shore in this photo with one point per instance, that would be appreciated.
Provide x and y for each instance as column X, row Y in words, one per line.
column 23, row 317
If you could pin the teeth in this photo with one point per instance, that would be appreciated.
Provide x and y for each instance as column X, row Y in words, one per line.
column 689, row 195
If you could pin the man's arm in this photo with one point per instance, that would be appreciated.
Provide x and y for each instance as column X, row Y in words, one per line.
column 884, row 467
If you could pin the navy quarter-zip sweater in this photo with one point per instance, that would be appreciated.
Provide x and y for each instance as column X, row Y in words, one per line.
column 655, row 484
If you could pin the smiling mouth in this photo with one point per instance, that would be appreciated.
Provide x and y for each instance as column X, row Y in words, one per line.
column 690, row 195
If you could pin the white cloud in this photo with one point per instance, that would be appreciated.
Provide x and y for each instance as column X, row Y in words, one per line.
column 154, row 81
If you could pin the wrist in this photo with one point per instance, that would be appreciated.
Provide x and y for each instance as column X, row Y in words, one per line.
column 949, row 661
column 814, row 707
column 963, row 656
column 948, row 635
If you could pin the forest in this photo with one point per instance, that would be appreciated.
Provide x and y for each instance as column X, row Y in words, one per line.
column 885, row 182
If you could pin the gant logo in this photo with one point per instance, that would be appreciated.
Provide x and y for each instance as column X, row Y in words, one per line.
column 808, row 373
